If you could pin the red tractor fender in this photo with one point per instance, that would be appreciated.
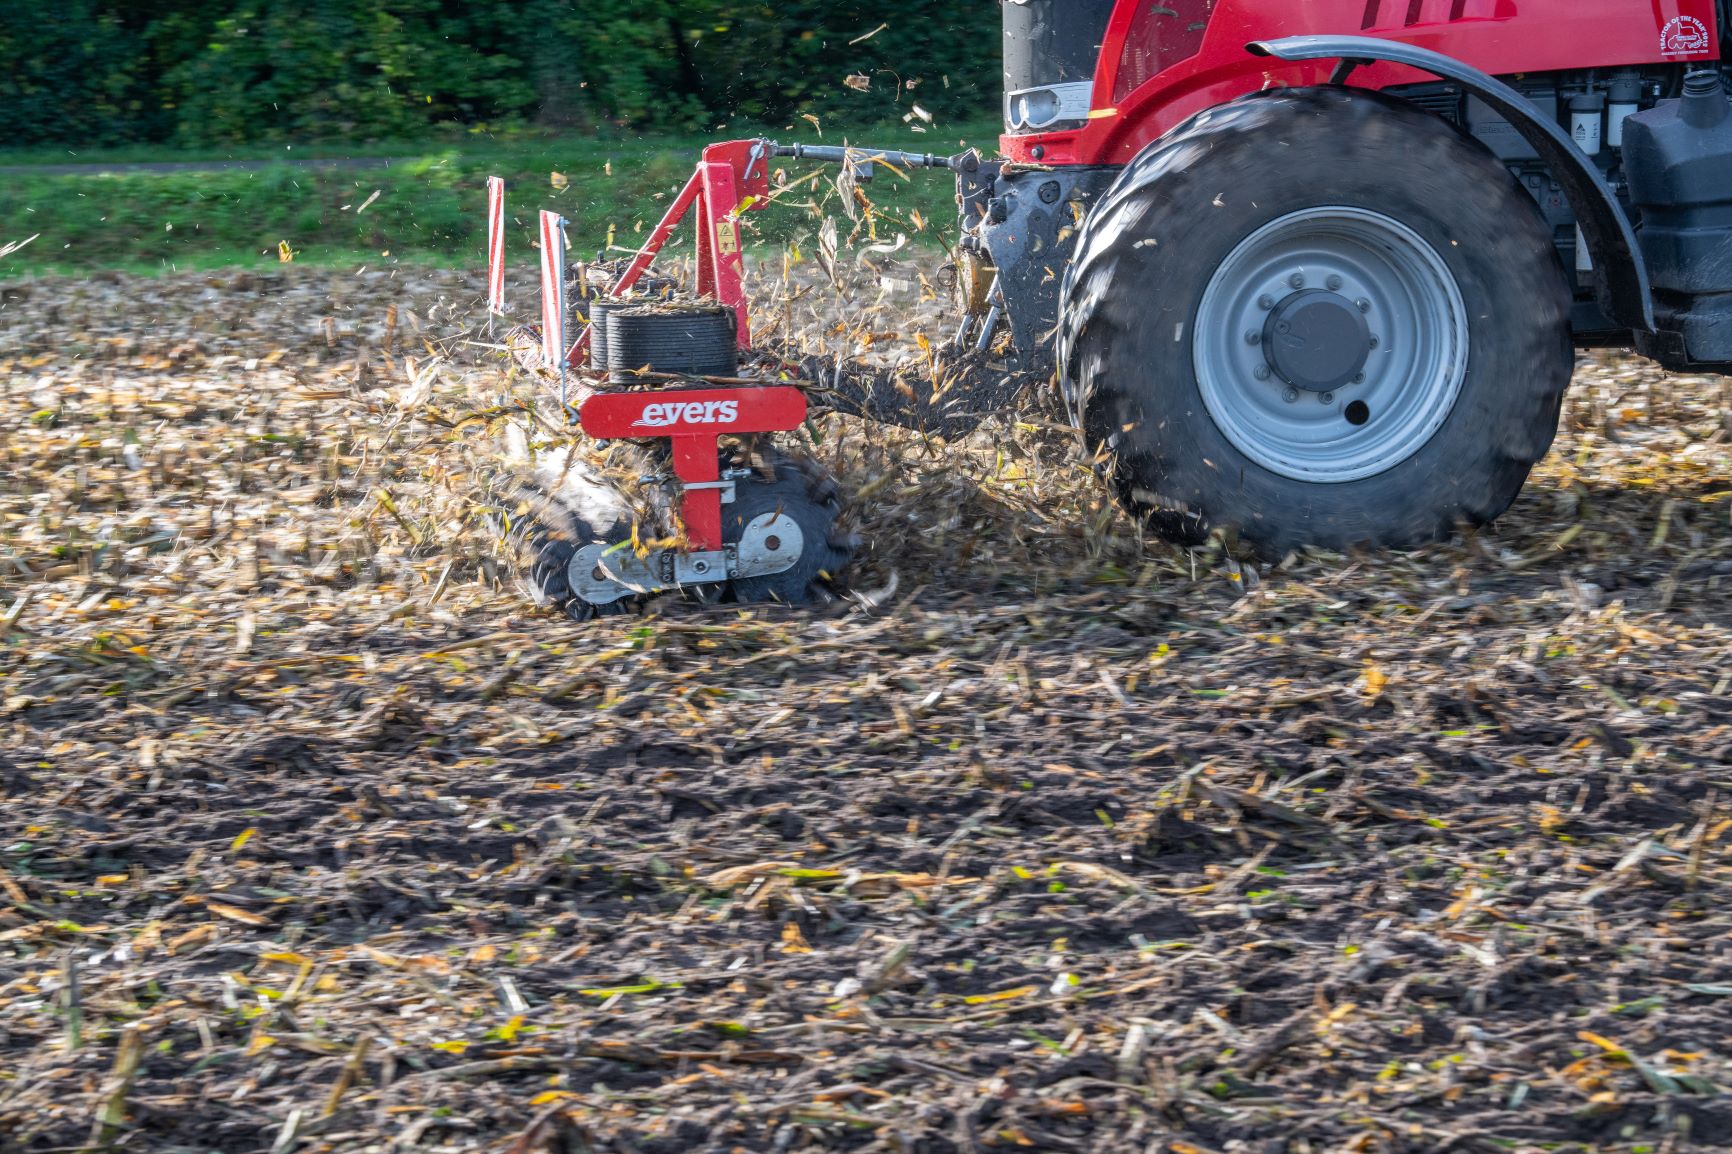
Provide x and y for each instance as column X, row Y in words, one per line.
column 1625, row 295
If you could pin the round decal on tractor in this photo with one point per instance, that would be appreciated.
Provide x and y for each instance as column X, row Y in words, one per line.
column 1684, row 36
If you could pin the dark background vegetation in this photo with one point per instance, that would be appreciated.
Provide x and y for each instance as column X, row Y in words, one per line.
column 210, row 73
column 346, row 131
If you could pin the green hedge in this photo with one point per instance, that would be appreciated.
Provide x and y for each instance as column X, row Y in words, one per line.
column 430, row 205
column 224, row 72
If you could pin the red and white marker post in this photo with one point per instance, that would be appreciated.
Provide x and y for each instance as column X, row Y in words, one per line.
column 553, row 296
column 495, row 248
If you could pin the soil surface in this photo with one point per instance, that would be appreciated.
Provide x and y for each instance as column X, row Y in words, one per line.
column 318, row 836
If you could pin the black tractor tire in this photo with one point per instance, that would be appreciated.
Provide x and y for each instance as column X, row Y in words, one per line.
column 1148, row 252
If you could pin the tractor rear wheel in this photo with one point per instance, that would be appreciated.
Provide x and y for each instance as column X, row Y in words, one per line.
column 1316, row 317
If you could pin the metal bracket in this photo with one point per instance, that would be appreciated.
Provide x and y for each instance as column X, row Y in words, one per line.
column 700, row 568
column 989, row 326
column 601, row 574
column 1346, row 67
column 726, row 487
column 863, row 169
column 760, row 152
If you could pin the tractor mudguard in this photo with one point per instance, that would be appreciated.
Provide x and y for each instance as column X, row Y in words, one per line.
column 1624, row 292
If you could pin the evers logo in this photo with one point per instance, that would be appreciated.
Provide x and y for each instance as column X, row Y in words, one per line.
column 665, row 414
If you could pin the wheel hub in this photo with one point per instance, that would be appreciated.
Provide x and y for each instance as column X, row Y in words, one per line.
column 1331, row 344
column 1316, row 340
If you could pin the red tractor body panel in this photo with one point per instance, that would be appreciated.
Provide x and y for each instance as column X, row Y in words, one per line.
column 1162, row 63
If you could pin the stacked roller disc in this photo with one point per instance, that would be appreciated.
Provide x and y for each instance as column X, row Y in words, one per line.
column 597, row 515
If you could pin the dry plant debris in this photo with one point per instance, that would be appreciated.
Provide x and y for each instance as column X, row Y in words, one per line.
column 318, row 837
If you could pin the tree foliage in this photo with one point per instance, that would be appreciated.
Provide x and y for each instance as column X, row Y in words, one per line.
column 215, row 72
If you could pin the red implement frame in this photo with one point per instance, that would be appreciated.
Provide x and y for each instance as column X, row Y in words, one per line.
column 733, row 177
column 692, row 419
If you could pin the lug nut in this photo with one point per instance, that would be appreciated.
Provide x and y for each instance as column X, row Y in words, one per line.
column 1253, row 338
column 1326, row 398
column 1261, row 372
column 1360, row 379
column 1375, row 342
column 1364, row 305
column 1265, row 302
column 1297, row 280
column 1290, row 395
column 1334, row 283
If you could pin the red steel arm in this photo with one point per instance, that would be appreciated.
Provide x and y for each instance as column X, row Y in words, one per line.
column 670, row 220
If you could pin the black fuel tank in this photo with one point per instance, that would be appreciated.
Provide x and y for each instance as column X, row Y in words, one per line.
column 1679, row 159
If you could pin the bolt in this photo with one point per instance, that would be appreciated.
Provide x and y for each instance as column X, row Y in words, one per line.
column 1253, row 337
column 1261, row 372
column 1334, row 283
column 1375, row 342
column 1284, row 328
column 772, row 543
column 1265, row 302
column 1297, row 280
column 700, row 566
column 1326, row 398
column 1364, row 305
column 1360, row 379
column 1290, row 395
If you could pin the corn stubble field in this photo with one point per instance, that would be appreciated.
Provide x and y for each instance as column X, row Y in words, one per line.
column 317, row 836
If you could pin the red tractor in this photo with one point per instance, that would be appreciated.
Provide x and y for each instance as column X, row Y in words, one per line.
column 1314, row 271
column 1317, row 270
